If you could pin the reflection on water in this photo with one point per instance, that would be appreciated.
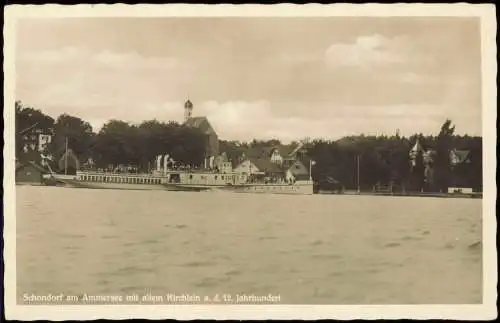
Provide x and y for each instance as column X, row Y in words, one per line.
column 308, row 249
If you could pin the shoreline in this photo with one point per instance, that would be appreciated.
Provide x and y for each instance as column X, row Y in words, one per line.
column 407, row 194
column 349, row 193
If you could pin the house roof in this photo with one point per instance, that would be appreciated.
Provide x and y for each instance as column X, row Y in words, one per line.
column 254, row 152
column 33, row 164
column 301, row 146
column 200, row 123
column 460, row 155
column 265, row 165
column 71, row 156
column 284, row 150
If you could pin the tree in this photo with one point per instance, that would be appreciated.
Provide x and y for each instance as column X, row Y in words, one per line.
column 115, row 144
column 78, row 134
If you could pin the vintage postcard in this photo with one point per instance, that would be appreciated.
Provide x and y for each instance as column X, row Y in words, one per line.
column 250, row 162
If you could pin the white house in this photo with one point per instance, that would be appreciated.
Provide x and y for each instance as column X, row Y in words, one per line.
column 276, row 156
column 247, row 167
column 223, row 164
column 43, row 141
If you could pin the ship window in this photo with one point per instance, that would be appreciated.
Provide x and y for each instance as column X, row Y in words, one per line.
column 191, row 176
column 215, row 177
column 222, row 177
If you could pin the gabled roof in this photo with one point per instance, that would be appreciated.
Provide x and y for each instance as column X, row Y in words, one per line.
column 254, row 152
column 200, row 123
column 33, row 164
column 71, row 157
column 459, row 156
column 301, row 146
column 282, row 149
column 265, row 165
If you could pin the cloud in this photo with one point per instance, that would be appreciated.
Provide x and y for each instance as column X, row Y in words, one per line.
column 246, row 120
column 104, row 58
column 97, row 83
column 366, row 51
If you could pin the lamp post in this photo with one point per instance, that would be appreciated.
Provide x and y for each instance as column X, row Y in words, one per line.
column 357, row 177
column 311, row 163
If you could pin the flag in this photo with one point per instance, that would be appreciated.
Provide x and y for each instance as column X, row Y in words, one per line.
column 313, row 162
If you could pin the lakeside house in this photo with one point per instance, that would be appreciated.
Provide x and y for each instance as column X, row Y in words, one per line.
column 36, row 139
column 460, row 166
column 285, row 162
column 29, row 173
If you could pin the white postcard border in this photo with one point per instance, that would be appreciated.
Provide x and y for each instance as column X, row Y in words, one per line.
column 487, row 310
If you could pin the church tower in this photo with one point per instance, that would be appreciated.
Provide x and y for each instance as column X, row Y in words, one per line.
column 188, row 110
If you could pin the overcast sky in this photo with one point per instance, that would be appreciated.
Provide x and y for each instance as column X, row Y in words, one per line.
column 286, row 78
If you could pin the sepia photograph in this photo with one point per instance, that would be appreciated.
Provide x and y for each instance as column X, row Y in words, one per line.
column 283, row 161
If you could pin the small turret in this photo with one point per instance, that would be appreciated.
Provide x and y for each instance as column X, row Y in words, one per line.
column 188, row 110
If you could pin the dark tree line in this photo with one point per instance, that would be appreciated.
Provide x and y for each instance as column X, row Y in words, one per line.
column 385, row 159
column 116, row 143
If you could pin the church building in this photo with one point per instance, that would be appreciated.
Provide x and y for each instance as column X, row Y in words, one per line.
column 211, row 138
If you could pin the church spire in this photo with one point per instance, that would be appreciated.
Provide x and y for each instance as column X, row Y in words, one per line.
column 188, row 110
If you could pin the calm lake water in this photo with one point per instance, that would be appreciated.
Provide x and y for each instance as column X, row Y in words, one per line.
column 320, row 249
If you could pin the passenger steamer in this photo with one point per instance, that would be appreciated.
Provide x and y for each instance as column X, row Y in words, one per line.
column 180, row 181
